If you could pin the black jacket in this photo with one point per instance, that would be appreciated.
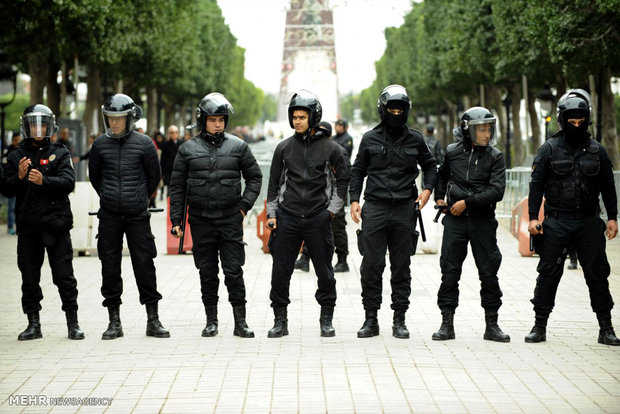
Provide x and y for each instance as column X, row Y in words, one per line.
column 41, row 204
column 476, row 174
column 124, row 172
column 211, row 173
column 391, row 166
column 168, row 153
column 572, row 181
column 346, row 142
column 300, row 180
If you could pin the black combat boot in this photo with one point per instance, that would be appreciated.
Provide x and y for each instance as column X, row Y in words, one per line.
column 115, row 330
column 72, row 325
column 446, row 330
column 342, row 265
column 33, row 330
column 241, row 327
column 211, row 327
column 280, row 326
column 493, row 331
column 303, row 263
column 539, row 331
column 370, row 327
column 327, row 313
column 606, row 334
column 153, row 325
column 399, row 329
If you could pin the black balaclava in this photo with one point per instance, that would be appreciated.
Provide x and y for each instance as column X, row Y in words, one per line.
column 395, row 123
column 575, row 135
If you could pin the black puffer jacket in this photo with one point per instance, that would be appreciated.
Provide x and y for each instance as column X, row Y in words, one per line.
column 211, row 172
column 476, row 174
column 40, row 204
column 124, row 172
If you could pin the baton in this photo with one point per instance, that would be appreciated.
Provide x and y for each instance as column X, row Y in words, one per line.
column 151, row 210
column 538, row 227
column 440, row 209
column 419, row 214
column 183, row 219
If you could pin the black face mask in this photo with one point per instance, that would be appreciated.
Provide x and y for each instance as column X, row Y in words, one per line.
column 395, row 122
column 575, row 135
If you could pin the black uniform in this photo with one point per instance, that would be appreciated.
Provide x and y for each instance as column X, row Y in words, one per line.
column 209, row 171
column 346, row 142
column 571, row 179
column 43, row 221
column 125, row 172
column 435, row 148
column 476, row 174
column 302, row 197
column 390, row 164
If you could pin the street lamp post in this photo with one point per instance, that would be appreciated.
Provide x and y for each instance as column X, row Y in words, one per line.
column 507, row 101
column 8, row 86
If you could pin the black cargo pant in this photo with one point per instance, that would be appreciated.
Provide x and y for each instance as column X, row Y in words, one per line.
column 587, row 235
column 223, row 236
column 387, row 226
column 142, row 250
column 30, row 255
column 316, row 233
column 341, row 240
column 480, row 232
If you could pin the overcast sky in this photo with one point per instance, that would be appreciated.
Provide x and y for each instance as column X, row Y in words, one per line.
column 359, row 24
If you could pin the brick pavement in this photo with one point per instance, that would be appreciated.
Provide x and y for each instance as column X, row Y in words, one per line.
column 304, row 372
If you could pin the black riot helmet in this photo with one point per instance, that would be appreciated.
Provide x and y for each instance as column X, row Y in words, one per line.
column 474, row 122
column 574, row 104
column 393, row 96
column 119, row 106
column 38, row 121
column 307, row 101
column 212, row 104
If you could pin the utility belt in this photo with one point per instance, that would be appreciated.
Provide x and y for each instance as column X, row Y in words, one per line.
column 570, row 215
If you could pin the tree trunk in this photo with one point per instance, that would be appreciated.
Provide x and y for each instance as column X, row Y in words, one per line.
column 531, row 107
column 495, row 95
column 169, row 111
column 63, row 90
column 151, row 110
column 610, row 135
column 94, row 98
column 517, row 137
column 37, row 69
column 53, row 89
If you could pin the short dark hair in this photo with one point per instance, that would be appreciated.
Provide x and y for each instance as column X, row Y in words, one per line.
column 343, row 122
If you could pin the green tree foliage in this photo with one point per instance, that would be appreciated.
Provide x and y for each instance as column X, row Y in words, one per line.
column 181, row 49
column 448, row 51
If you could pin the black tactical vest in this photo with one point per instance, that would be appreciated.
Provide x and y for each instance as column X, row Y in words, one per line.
column 572, row 181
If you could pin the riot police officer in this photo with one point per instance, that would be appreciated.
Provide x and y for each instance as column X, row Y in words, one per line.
column 207, row 173
column 571, row 170
column 389, row 156
column 41, row 176
column 301, row 202
column 433, row 143
column 471, row 180
column 124, row 170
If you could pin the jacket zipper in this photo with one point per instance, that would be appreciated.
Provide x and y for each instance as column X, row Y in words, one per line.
column 303, row 190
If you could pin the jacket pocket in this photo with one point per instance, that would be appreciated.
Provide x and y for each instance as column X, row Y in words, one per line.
column 377, row 156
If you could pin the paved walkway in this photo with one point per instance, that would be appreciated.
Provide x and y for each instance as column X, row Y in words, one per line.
column 304, row 372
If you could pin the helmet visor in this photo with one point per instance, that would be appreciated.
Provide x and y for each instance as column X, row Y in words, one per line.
column 117, row 124
column 482, row 132
column 37, row 125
